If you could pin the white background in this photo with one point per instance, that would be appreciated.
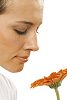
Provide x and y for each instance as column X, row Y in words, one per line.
column 52, row 55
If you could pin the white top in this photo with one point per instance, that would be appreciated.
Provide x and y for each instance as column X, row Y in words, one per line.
column 7, row 89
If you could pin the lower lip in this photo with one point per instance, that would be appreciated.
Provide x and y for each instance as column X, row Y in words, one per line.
column 21, row 59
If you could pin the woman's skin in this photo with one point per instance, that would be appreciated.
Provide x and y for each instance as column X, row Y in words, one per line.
column 18, row 33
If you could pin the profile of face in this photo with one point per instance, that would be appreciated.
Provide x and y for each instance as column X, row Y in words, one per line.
column 18, row 33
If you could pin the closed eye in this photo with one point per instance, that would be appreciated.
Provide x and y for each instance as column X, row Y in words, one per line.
column 20, row 32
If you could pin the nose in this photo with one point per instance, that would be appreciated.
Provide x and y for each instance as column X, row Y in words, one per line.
column 31, row 43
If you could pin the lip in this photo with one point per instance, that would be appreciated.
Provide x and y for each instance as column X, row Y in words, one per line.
column 22, row 59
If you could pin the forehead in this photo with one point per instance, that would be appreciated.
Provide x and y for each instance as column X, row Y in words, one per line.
column 25, row 3
column 30, row 9
column 40, row 2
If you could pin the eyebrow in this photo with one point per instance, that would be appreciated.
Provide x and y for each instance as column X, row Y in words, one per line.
column 26, row 22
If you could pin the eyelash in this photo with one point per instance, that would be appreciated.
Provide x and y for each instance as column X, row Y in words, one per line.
column 20, row 32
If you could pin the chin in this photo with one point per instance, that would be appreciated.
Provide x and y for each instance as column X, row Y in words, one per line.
column 14, row 69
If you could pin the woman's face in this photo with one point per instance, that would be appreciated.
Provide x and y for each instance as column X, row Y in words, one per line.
column 18, row 28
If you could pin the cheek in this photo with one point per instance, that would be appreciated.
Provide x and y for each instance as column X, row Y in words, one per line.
column 10, row 45
column 10, row 42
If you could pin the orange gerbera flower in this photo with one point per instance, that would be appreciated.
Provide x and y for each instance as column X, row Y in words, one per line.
column 53, row 80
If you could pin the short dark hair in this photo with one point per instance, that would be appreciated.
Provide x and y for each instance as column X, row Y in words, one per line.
column 3, row 6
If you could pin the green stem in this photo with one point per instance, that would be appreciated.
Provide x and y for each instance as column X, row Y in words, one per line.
column 57, row 93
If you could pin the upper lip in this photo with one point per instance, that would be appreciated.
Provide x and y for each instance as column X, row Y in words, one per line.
column 24, row 57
